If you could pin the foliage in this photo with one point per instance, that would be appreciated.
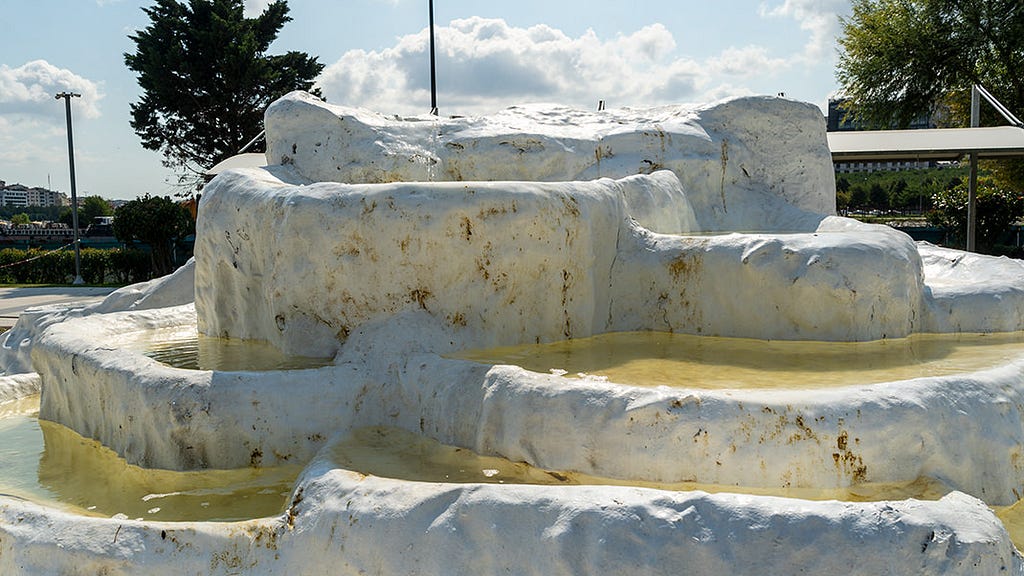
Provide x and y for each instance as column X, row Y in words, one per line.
column 89, row 208
column 206, row 79
column 35, row 213
column 997, row 209
column 907, row 191
column 20, row 218
column 156, row 221
column 902, row 58
column 105, row 266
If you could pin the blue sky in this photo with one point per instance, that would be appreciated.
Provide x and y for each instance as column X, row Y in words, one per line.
column 491, row 55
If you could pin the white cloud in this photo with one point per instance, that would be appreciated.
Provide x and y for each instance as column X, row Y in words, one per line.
column 29, row 90
column 484, row 65
column 818, row 17
column 254, row 8
column 32, row 121
column 747, row 61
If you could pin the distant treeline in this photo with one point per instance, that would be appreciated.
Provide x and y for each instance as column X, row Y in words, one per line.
column 35, row 213
column 908, row 191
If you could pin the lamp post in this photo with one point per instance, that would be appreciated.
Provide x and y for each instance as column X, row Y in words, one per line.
column 433, row 75
column 67, row 96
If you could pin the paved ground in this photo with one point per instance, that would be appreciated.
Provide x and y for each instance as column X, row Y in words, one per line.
column 14, row 300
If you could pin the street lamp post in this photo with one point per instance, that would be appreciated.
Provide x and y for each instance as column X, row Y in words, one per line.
column 433, row 73
column 67, row 96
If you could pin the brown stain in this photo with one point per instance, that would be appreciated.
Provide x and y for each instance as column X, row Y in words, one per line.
column 293, row 509
column 847, row 462
column 256, row 458
column 419, row 296
column 466, row 225
column 571, row 206
column 456, row 319
column 368, row 208
column 725, row 163
column 481, row 267
column 684, row 265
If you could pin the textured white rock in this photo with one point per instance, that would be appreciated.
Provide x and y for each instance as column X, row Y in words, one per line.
column 349, row 524
column 733, row 157
column 511, row 262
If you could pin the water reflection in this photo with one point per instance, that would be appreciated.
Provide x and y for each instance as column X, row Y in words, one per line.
column 664, row 359
column 44, row 461
column 184, row 348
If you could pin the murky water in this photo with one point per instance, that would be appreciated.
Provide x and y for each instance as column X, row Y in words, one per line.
column 46, row 462
column 184, row 348
column 395, row 453
column 663, row 359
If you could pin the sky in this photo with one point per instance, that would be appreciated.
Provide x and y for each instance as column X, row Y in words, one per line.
column 490, row 55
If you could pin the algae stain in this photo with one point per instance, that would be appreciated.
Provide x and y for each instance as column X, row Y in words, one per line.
column 725, row 162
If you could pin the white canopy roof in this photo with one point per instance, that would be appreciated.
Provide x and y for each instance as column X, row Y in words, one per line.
column 934, row 144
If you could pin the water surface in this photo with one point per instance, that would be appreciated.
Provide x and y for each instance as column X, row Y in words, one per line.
column 682, row 360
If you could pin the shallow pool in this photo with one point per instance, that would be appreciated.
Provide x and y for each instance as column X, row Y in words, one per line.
column 682, row 360
column 49, row 463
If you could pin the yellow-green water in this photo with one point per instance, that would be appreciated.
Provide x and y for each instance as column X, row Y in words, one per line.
column 184, row 348
column 664, row 359
column 46, row 462
column 395, row 453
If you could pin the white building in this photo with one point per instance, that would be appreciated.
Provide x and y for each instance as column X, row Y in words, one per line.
column 43, row 197
column 14, row 195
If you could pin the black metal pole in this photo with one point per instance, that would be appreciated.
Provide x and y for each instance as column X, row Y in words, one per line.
column 67, row 96
column 433, row 72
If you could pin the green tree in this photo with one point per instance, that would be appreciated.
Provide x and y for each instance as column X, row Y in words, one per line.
column 997, row 207
column 89, row 208
column 903, row 58
column 858, row 197
column 206, row 79
column 878, row 197
column 156, row 221
column 21, row 218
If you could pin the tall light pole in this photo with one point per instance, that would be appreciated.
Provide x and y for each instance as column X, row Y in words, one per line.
column 67, row 96
column 433, row 74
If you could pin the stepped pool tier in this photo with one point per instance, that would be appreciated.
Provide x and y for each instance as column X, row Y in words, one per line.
column 386, row 264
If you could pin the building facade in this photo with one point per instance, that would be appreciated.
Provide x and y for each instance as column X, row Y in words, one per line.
column 19, row 195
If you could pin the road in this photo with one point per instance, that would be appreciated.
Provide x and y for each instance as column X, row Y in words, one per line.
column 15, row 300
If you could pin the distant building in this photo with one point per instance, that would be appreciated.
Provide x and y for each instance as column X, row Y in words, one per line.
column 43, row 197
column 14, row 195
column 22, row 196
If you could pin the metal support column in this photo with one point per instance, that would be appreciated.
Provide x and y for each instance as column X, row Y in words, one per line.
column 972, row 184
column 67, row 96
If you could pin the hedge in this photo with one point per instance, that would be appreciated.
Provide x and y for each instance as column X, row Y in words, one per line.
column 98, row 266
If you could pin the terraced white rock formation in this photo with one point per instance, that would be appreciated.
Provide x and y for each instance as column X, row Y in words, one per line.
column 389, row 243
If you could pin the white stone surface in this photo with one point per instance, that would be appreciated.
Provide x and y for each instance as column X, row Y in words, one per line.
column 349, row 524
column 732, row 157
column 512, row 262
